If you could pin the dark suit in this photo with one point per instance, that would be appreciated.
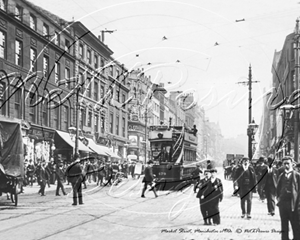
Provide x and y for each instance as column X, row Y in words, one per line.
column 216, row 196
column 269, row 183
column 60, row 179
column 148, row 179
column 203, row 195
column 288, row 196
column 246, row 185
column 261, row 171
column 43, row 178
column 75, row 177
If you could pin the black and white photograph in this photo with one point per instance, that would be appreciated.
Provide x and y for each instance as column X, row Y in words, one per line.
column 149, row 119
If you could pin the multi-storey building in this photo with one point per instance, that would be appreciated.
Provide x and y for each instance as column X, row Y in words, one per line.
column 35, row 54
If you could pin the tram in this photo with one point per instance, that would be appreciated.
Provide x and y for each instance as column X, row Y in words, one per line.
column 173, row 151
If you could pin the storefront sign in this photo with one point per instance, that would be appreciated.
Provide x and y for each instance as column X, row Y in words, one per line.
column 136, row 128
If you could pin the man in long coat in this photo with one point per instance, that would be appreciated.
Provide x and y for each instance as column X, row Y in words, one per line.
column 288, row 196
column 43, row 178
column 269, row 183
column 204, row 196
column 75, row 177
column 246, row 179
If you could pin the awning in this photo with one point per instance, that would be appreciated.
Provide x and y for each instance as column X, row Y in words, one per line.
column 66, row 137
column 97, row 148
column 108, row 151
column 113, row 155
column 132, row 157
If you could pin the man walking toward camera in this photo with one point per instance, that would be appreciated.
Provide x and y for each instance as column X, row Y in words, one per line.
column 246, row 180
column 288, row 197
column 148, row 179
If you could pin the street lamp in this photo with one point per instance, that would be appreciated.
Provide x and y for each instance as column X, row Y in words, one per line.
column 251, row 131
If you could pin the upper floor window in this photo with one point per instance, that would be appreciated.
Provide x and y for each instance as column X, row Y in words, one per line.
column 32, row 22
column 32, row 108
column 45, row 66
column 3, row 5
column 66, row 118
column 123, row 99
column 90, row 115
column 96, row 61
column 56, row 38
column 96, row 123
column 45, row 30
column 2, row 44
column 96, row 90
column 67, row 46
column 18, row 12
column 57, row 72
column 45, row 114
column 102, row 91
column 32, row 60
column 18, row 52
column 111, row 71
column 111, row 123
column 18, row 106
column 67, row 78
column 3, row 100
column 89, row 57
column 102, row 65
column 81, row 55
column 123, row 127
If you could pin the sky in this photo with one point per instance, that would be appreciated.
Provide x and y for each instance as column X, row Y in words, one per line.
column 203, row 47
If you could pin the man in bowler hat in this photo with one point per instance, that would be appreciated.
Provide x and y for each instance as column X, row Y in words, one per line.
column 75, row 177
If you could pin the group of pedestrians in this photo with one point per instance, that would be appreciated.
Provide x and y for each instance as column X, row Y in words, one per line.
column 280, row 181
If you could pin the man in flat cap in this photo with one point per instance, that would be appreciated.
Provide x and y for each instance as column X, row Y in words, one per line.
column 148, row 179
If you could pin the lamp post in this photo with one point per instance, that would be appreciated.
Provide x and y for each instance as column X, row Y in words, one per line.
column 251, row 131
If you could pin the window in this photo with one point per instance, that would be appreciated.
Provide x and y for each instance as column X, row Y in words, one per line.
column 118, row 95
column 32, row 60
column 2, row 44
column 56, row 39
column 18, row 12
column 90, row 115
column 57, row 72
column 32, row 107
column 102, row 91
column 32, row 22
column 3, row 5
column 102, row 124
column 18, row 107
column 117, row 125
column 88, row 85
column 96, row 90
column 67, row 46
column 55, row 111
column 45, row 30
column 111, row 122
column 45, row 114
column 81, row 55
column 45, row 66
column 123, row 99
column 96, row 61
column 66, row 118
column 18, row 52
column 123, row 127
column 96, row 123
column 117, row 74
column 102, row 65
column 81, row 80
column 89, row 57
column 67, row 78
column 111, row 71
column 3, row 101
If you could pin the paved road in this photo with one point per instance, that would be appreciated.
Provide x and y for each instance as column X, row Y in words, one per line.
column 120, row 213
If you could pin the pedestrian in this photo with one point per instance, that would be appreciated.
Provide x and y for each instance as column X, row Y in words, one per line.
column 246, row 180
column 209, row 165
column 269, row 185
column 75, row 176
column 203, row 194
column 101, row 174
column 288, row 196
column 43, row 178
column 30, row 173
column 196, row 176
column 60, row 180
column 234, row 179
column 261, row 171
column 148, row 179
column 215, row 197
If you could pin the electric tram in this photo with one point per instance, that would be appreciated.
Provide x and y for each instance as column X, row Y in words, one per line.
column 173, row 151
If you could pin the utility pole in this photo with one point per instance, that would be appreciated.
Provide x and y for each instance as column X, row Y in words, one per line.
column 249, row 83
column 296, row 113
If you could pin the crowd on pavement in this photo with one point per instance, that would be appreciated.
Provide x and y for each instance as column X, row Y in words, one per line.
column 273, row 181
